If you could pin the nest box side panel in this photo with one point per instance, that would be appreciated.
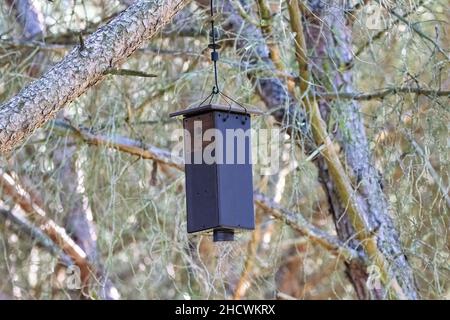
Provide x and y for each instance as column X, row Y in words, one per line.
column 201, row 178
column 235, row 179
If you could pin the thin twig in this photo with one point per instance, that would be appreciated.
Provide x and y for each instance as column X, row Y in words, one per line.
column 379, row 34
column 130, row 73
column 414, row 28
column 300, row 224
column 124, row 144
column 437, row 179
column 382, row 93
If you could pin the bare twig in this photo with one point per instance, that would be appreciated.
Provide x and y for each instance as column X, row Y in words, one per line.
column 414, row 28
column 300, row 224
column 125, row 144
column 130, row 73
column 437, row 179
column 380, row 34
column 382, row 93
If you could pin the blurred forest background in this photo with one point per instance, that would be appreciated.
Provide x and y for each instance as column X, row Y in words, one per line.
column 92, row 207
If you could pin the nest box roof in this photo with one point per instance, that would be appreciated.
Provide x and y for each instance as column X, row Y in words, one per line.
column 214, row 107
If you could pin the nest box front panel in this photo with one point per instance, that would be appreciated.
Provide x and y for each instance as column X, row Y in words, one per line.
column 201, row 178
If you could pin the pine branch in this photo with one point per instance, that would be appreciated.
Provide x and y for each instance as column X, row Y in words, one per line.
column 106, row 48
column 124, row 144
column 299, row 223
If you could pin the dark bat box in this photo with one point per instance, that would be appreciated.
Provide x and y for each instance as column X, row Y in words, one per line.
column 219, row 189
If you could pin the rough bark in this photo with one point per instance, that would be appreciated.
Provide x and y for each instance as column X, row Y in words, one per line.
column 83, row 67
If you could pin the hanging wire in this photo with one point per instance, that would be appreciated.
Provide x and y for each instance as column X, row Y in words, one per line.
column 215, row 57
column 214, row 53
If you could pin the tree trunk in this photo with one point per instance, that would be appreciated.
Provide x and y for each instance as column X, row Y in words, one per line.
column 329, row 41
column 274, row 91
column 83, row 67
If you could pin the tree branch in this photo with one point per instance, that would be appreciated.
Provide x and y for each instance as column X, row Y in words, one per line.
column 347, row 195
column 299, row 223
column 124, row 144
column 38, row 216
column 83, row 67
column 419, row 32
column 329, row 38
column 17, row 217
column 33, row 220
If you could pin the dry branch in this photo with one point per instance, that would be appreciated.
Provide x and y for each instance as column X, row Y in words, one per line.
column 38, row 216
column 300, row 224
column 21, row 224
column 125, row 144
